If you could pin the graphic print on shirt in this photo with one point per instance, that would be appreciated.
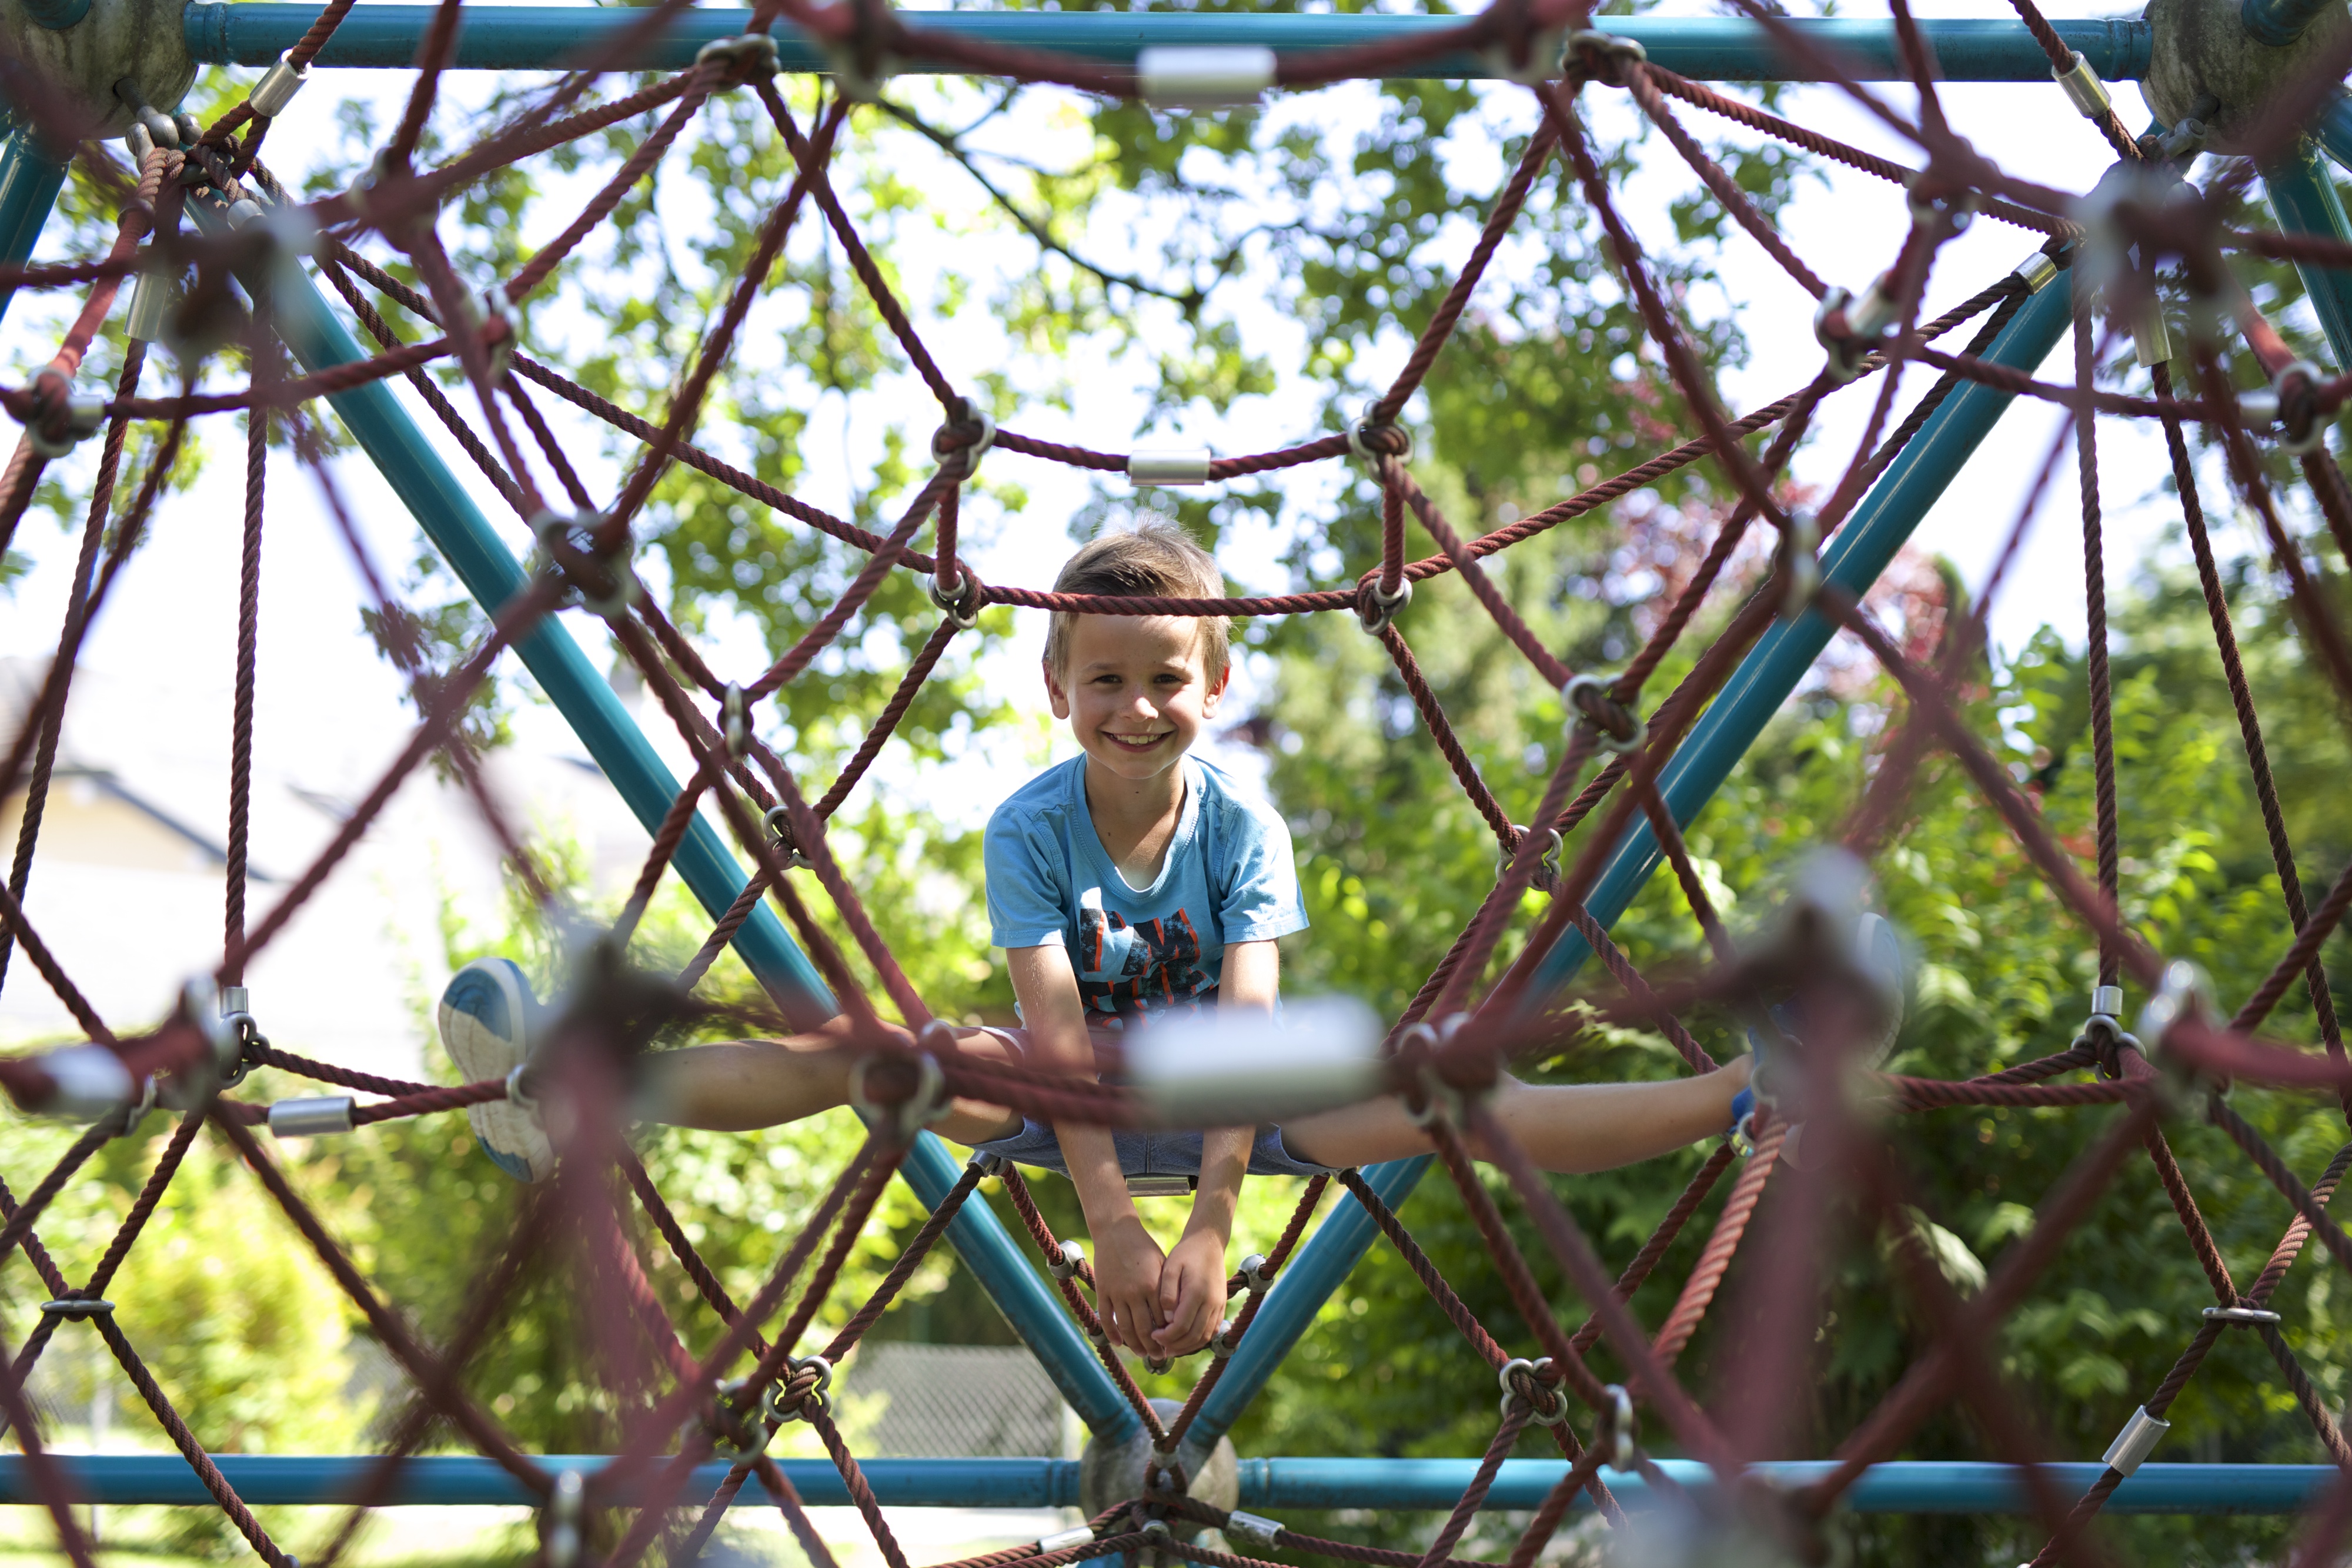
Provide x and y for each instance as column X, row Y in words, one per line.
column 1125, row 970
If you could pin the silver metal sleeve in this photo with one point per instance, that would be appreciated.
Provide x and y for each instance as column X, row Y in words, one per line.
column 1256, row 1529
column 2082, row 85
column 278, row 86
column 2037, row 270
column 1191, row 77
column 2138, row 1440
column 312, row 1118
column 1177, row 465
column 1063, row 1540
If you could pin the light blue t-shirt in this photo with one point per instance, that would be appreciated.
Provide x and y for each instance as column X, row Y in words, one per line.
column 1228, row 877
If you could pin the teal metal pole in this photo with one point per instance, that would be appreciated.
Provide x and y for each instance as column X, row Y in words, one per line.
column 1895, row 507
column 489, row 571
column 1388, row 1485
column 1720, row 49
column 30, row 178
column 2304, row 199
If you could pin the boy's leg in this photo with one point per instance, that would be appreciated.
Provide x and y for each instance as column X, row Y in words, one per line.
column 1576, row 1128
column 747, row 1083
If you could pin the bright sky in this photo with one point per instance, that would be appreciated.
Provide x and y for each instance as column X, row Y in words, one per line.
column 330, row 708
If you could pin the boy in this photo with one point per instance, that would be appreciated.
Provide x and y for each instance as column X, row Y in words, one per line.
column 1131, row 883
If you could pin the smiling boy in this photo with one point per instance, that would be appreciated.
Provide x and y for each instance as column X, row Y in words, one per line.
column 1133, row 881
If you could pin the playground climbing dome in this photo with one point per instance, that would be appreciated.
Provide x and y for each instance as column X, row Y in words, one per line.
column 204, row 236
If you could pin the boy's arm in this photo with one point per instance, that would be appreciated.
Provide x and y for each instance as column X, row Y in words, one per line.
column 1128, row 1261
column 1192, row 1285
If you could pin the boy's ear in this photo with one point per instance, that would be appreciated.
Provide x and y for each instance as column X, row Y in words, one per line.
column 1060, row 698
column 1216, row 693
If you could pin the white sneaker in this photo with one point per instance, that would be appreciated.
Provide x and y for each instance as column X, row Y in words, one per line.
column 1878, row 955
column 486, row 1011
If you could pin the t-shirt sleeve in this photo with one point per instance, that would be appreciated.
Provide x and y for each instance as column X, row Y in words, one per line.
column 1262, row 900
column 1027, row 904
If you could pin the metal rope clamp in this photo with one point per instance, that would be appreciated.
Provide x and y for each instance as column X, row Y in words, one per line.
column 1601, row 56
column 60, row 419
column 734, row 720
column 221, row 1020
column 943, row 449
column 1617, row 1427
column 745, row 57
column 812, row 1375
column 1573, row 697
column 563, row 1517
column 2183, row 992
column 1546, row 878
column 1253, row 1530
column 1546, row 56
column 1256, row 1275
column 927, row 1102
column 2303, row 425
column 1067, row 1261
column 1849, row 328
column 557, row 532
column 1376, row 607
column 1417, row 1047
column 494, row 323
column 962, row 607
column 738, row 1433
column 1522, row 1382
column 1796, row 561
column 1371, row 441
column 2251, row 1317
column 2104, row 1032
column 1222, row 1342
column 779, row 823
column 77, row 1307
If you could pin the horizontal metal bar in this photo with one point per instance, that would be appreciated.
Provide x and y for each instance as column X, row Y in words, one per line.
column 1297, row 1484
column 1715, row 48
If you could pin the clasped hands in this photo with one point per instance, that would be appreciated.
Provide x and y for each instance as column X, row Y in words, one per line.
column 1159, row 1304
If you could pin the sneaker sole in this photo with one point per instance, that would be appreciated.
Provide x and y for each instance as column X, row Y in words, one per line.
column 490, row 1047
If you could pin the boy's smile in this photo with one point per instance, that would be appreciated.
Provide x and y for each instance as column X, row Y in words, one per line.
column 1136, row 691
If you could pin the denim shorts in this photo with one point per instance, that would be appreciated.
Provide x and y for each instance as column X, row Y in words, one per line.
column 1146, row 1153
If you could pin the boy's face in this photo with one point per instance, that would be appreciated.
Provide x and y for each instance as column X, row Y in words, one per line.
column 1137, row 691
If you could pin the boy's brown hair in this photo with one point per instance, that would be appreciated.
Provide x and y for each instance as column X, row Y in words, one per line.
column 1156, row 560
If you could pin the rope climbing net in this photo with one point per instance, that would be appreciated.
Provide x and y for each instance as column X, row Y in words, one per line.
column 201, row 219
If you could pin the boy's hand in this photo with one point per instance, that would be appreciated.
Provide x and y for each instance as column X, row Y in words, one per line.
column 1191, row 1294
column 1129, row 1269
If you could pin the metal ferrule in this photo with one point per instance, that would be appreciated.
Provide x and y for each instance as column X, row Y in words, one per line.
column 2133, row 1445
column 2151, row 343
column 1254, row 1529
column 2037, row 270
column 1180, row 466
column 87, row 1082
column 2107, row 1000
column 2251, row 1316
column 1158, row 1187
column 2083, row 87
column 278, row 86
column 1063, row 1540
column 312, row 1118
column 1179, row 78
column 243, row 211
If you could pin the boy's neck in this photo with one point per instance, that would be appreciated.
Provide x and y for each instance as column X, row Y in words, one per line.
column 1126, row 811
